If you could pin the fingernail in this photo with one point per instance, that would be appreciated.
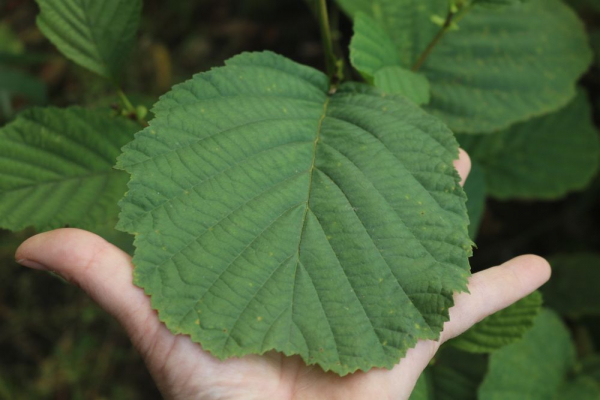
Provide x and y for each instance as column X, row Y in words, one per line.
column 32, row 264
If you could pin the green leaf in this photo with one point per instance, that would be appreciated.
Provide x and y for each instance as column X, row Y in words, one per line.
column 371, row 49
column 573, row 289
column 502, row 328
column 56, row 168
column 96, row 34
column 533, row 368
column 453, row 375
column 374, row 55
column 475, row 189
column 397, row 80
column 16, row 82
column 271, row 215
column 544, row 158
column 504, row 65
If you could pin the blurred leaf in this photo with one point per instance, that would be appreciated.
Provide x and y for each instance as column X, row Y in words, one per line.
column 397, row 80
column 502, row 328
column 21, row 83
column 533, row 368
column 346, row 203
column 9, row 42
column 454, row 375
column 96, row 34
column 56, row 168
column 573, row 289
column 476, row 194
column 504, row 64
column 544, row 158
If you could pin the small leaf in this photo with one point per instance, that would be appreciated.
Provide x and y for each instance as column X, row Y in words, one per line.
column 56, row 168
column 371, row 49
column 504, row 65
column 502, row 328
column 96, row 34
column 533, row 368
column 476, row 194
column 270, row 215
column 573, row 289
column 544, row 158
column 397, row 80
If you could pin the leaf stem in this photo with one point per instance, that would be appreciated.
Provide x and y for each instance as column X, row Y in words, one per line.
column 331, row 62
column 453, row 16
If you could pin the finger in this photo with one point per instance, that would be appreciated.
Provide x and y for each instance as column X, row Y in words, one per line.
column 99, row 268
column 494, row 289
column 463, row 165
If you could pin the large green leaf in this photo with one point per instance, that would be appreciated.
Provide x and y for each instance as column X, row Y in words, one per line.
column 533, row 368
column 502, row 328
column 504, row 64
column 544, row 158
column 271, row 215
column 56, row 168
column 573, row 289
column 476, row 194
column 96, row 34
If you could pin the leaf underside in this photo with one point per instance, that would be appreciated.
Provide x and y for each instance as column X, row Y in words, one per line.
column 97, row 35
column 502, row 328
column 271, row 215
column 56, row 168
column 504, row 65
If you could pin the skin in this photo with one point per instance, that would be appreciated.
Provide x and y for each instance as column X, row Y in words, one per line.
column 182, row 370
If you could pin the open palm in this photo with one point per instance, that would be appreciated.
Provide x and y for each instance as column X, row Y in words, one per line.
column 182, row 370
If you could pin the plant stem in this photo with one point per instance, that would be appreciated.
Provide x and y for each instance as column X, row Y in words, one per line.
column 128, row 106
column 453, row 16
column 330, row 58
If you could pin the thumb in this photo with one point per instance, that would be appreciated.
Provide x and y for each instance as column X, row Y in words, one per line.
column 102, row 270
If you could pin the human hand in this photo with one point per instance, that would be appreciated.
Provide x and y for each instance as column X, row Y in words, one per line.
column 182, row 370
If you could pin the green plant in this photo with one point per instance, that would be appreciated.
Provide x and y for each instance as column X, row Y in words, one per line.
column 327, row 215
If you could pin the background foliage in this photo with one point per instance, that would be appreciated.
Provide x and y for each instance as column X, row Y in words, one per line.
column 55, row 344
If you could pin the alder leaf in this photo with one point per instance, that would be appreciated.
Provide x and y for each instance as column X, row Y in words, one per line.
column 534, row 368
column 502, row 328
column 544, row 158
column 56, row 168
column 270, row 215
column 504, row 65
column 573, row 289
column 96, row 34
